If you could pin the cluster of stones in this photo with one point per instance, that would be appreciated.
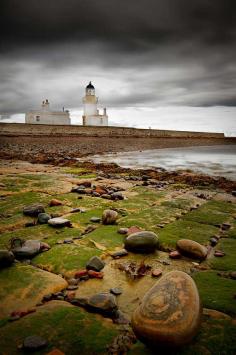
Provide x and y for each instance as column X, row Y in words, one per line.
column 106, row 192
column 37, row 210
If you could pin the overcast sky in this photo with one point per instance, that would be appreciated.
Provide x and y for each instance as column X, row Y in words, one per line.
column 141, row 55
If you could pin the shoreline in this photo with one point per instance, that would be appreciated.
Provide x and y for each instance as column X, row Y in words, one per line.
column 47, row 149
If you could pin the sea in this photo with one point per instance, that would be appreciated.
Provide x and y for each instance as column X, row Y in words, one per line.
column 212, row 160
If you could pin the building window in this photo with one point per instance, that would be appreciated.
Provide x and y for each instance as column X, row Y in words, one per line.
column 37, row 118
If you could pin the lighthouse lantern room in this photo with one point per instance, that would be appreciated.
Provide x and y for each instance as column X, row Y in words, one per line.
column 91, row 116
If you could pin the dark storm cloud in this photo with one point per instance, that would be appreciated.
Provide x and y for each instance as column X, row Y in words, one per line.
column 152, row 52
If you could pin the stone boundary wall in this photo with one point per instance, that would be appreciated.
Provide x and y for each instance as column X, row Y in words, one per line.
column 23, row 129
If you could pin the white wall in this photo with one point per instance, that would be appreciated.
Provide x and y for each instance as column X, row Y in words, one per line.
column 96, row 120
column 90, row 109
column 44, row 117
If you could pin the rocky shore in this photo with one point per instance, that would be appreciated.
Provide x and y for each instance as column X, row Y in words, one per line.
column 50, row 149
column 96, row 259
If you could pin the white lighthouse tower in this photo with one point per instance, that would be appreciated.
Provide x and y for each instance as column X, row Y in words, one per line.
column 91, row 116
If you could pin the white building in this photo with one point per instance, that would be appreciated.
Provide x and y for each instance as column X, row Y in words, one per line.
column 45, row 116
column 91, row 116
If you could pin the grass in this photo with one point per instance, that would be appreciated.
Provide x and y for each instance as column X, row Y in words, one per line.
column 65, row 258
column 227, row 262
column 107, row 236
column 180, row 229
column 216, row 292
column 69, row 329
column 212, row 212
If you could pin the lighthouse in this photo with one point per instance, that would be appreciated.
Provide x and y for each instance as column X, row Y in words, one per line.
column 91, row 116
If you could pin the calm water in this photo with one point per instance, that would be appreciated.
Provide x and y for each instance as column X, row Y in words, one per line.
column 214, row 160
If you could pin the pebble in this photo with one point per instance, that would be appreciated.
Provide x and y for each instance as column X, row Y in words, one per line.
column 80, row 273
column 109, row 217
column 28, row 249
column 84, row 183
column 123, row 231
column 104, row 303
column 95, row 263
column 156, row 272
column 120, row 318
column 95, row 219
column 225, row 226
column 34, row 342
column 170, row 312
column 233, row 275
column 141, row 242
column 75, row 210
column 95, row 274
column 55, row 202
column 213, row 241
column 73, row 281
column 6, row 258
column 116, row 291
column 43, row 218
column 33, row 210
column 192, row 248
column 219, row 253
column 174, row 254
column 117, row 196
column 72, row 287
column 59, row 222
column 68, row 241
column 119, row 253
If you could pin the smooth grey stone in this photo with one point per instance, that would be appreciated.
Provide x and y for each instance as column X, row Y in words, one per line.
column 34, row 342
column 95, row 263
column 6, row 258
column 95, row 219
column 142, row 242
column 33, row 210
column 43, row 218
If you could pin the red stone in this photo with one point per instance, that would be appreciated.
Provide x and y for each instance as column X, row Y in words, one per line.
column 56, row 352
column 219, row 253
column 174, row 254
column 100, row 191
column 156, row 272
column 70, row 295
column 80, row 273
column 55, row 202
column 95, row 274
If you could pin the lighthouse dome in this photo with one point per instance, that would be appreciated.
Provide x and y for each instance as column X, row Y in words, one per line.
column 90, row 86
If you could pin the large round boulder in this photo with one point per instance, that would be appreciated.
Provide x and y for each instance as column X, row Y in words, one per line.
column 192, row 248
column 6, row 258
column 142, row 242
column 33, row 210
column 170, row 312
column 109, row 217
